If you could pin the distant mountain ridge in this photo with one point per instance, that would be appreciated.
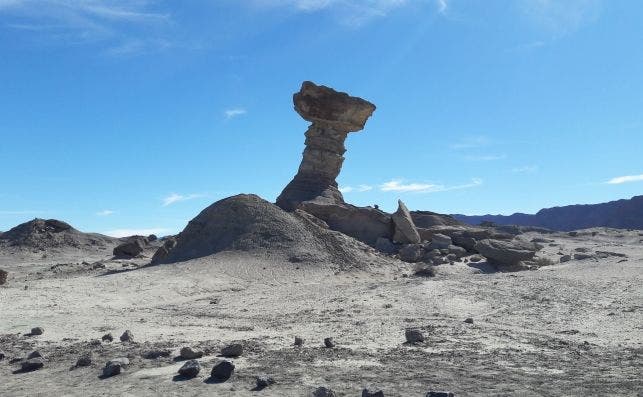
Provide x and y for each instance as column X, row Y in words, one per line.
column 619, row 214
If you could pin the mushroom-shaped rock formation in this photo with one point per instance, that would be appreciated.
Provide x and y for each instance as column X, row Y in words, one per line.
column 333, row 115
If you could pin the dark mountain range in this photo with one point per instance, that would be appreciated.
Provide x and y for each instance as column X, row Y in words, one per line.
column 620, row 214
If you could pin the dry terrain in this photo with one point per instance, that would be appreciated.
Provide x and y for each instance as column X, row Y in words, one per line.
column 570, row 329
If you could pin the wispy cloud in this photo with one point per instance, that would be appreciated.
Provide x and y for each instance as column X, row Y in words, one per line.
column 175, row 198
column 135, row 232
column 352, row 13
column 625, row 179
column 526, row 169
column 235, row 112
column 470, row 142
column 485, row 157
column 561, row 17
column 398, row 185
column 358, row 189
column 105, row 213
column 443, row 5
column 119, row 24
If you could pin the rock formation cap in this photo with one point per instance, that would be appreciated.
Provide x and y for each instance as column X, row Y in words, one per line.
column 320, row 104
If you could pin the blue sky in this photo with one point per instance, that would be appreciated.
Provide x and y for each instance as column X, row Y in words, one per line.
column 132, row 116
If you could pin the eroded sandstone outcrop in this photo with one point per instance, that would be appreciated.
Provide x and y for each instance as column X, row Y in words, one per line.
column 333, row 115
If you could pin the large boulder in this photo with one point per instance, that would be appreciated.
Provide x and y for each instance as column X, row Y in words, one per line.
column 506, row 253
column 427, row 219
column 130, row 249
column 405, row 231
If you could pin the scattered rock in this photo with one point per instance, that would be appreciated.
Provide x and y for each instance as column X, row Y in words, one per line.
column 115, row 366
column 468, row 320
column 581, row 256
column 222, row 371
column 385, row 245
column 440, row 241
column 506, row 253
column 582, row 249
column 405, row 231
column 32, row 364
column 94, row 342
column 440, row 394
column 413, row 336
column 190, row 369
column 107, row 338
column 411, row 253
column 156, row 353
column 37, row 331
column 565, row 258
column 3, row 276
column 424, row 271
column 234, row 350
column 323, row 392
column 34, row 354
column 127, row 336
column 130, row 249
column 85, row 360
column 329, row 343
column 190, row 354
column 475, row 258
column 459, row 252
column 368, row 393
column 264, row 381
column 2, row 355
column 299, row 341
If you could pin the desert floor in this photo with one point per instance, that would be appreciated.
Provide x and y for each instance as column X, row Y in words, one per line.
column 566, row 329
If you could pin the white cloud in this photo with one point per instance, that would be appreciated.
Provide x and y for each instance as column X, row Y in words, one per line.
column 625, row 179
column 398, row 185
column 135, row 232
column 359, row 188
column 105, row 213
column 527, row 169
column 232, row 113
column 175, row 198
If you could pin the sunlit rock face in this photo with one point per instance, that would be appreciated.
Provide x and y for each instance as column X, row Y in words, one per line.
column 333, row 115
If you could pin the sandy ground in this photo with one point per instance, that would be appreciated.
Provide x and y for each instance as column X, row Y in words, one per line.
column 568, row 329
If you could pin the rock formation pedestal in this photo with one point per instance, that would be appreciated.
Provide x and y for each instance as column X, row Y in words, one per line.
column 333, row 115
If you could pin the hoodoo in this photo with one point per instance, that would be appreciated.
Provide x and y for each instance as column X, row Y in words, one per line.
column 333, row 115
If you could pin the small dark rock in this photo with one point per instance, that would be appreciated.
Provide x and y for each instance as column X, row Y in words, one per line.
column 468, row 320
column 413, row 336
column 37, row 331
column 565, row 258
column 329, row 343
column 156, row 353
column 368, row 393
column 234, row 350
column 33, row 364
column 264, row 381
column 107, row 338
column 323, row 392
column 85, row 360
column 440, row 394
column 34, row 354
column 127, row 336
column 115, row 366
column 2, row 355
column 190, row 369
column 3, row 276
column 190, row 354
column 299, row 341
column 222, row 371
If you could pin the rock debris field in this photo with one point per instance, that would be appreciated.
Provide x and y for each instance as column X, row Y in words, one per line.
column 313, row 296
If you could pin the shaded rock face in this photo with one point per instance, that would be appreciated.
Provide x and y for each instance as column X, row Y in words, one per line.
column 427, row 219
column 333, row 115
column 130, row 249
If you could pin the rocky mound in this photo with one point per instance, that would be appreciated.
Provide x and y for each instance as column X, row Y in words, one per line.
column 248, row 223
column 43, row 234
